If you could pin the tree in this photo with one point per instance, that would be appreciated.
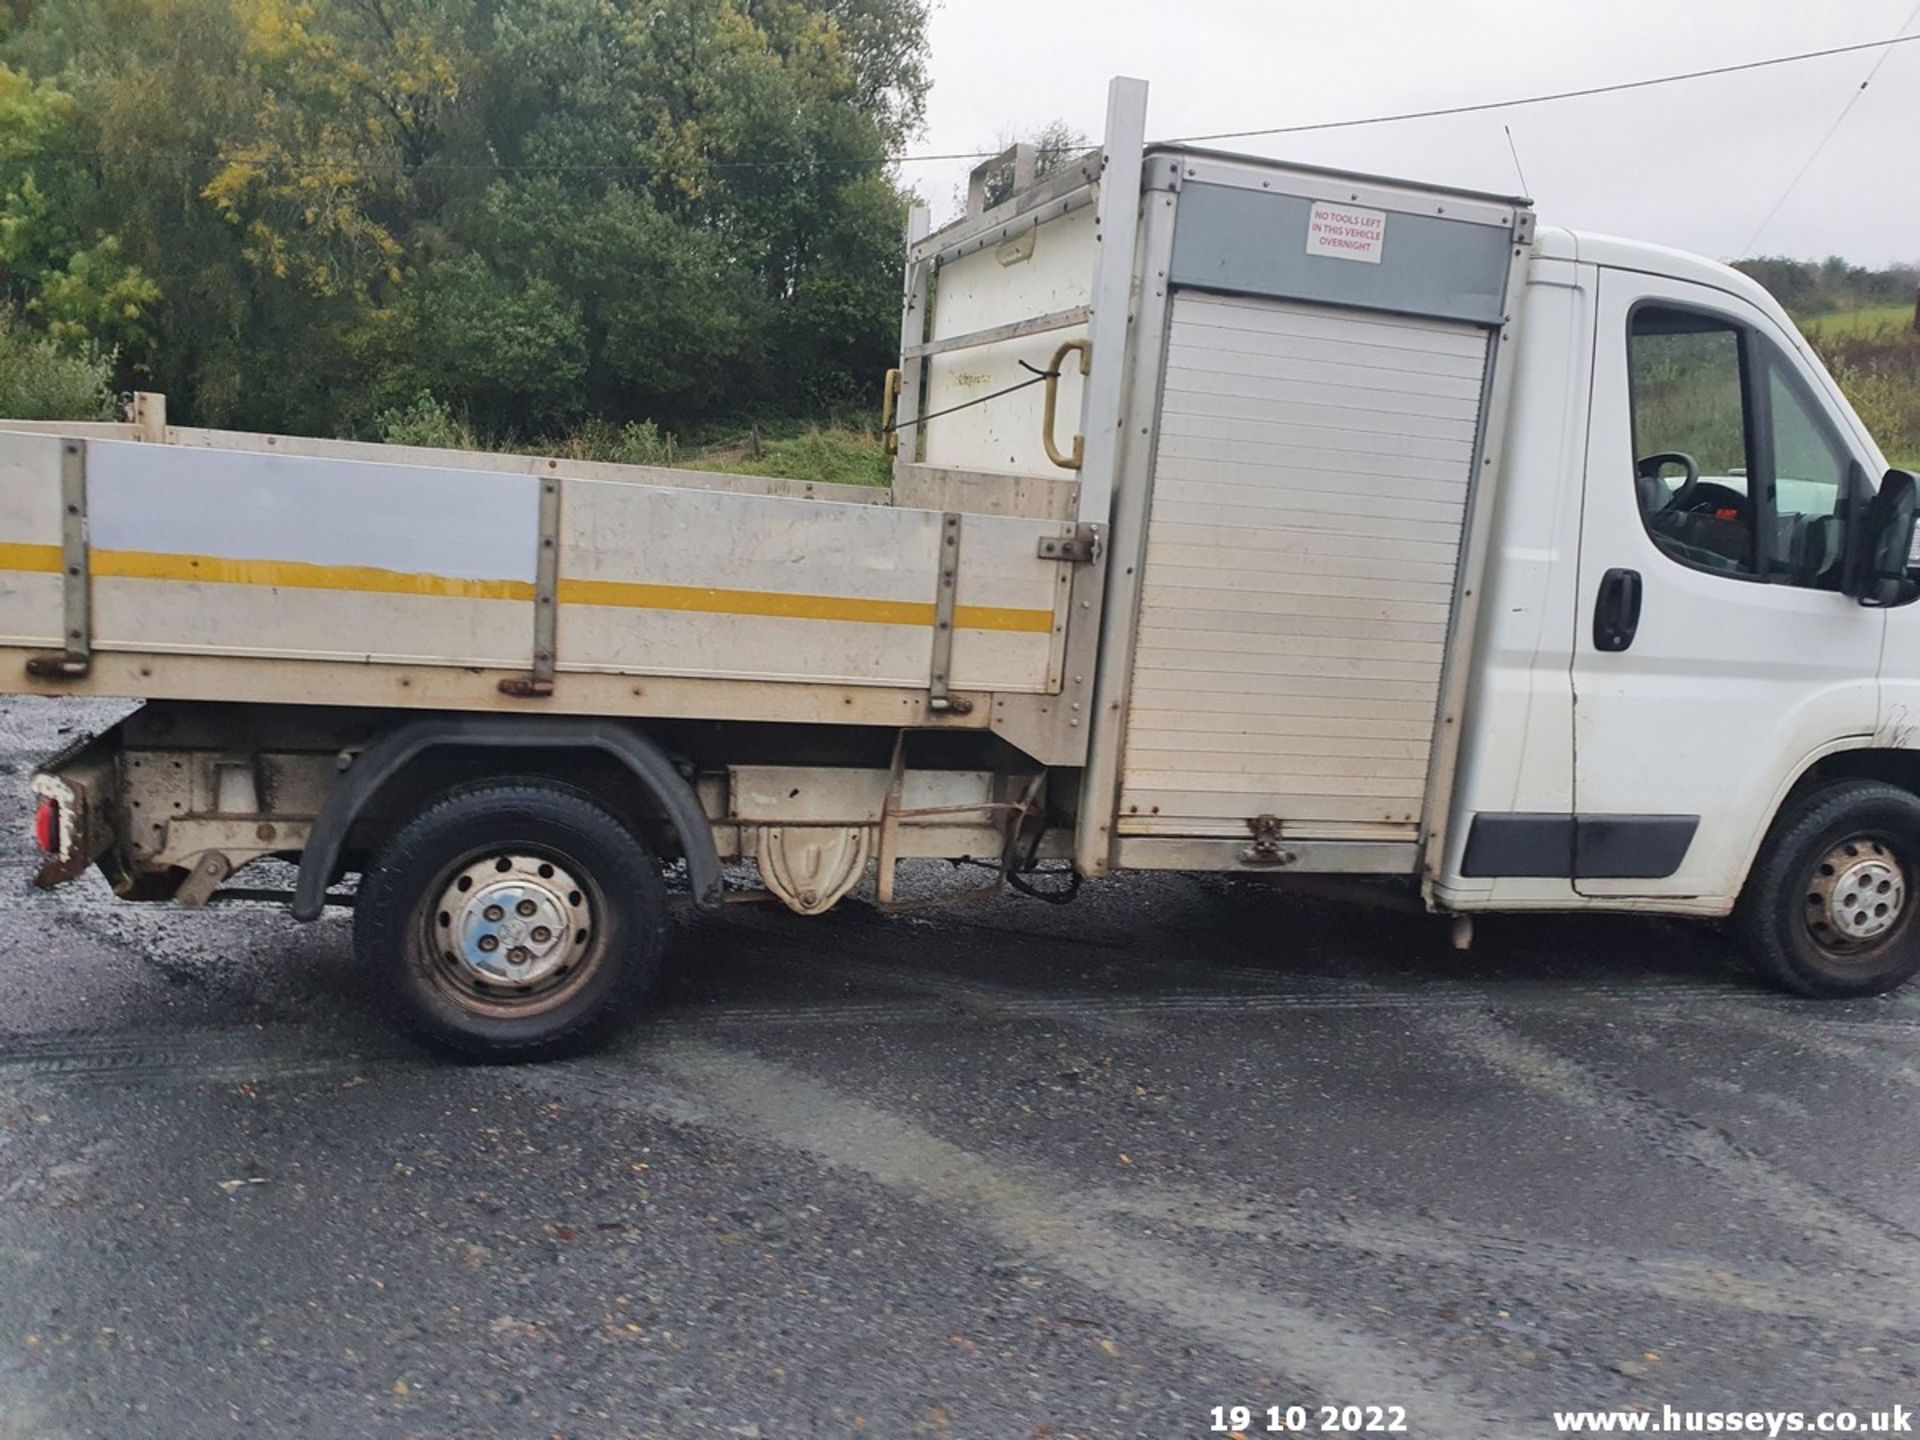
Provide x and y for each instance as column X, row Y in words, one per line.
column 1816, row 288
column 536, row 211
column 349, row 103
column 76, row 284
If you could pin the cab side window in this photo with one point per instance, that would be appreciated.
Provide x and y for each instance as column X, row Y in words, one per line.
column 1738, row 470
column 1693, row 439
column 1809, row 470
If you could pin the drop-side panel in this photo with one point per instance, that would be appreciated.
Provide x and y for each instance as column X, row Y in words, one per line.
column 1309, row 495
column 244, row 553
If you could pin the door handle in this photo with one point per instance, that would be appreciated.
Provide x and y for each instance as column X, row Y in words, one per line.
column 1616, row 613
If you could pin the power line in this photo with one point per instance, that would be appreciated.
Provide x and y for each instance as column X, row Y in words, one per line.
column 1832, row 130
column 1613, row 89
column 1439, row 112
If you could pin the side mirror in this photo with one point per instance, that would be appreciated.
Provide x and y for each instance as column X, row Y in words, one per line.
column 1880, row 544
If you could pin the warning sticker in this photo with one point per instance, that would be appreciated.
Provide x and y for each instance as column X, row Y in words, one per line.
column 1346, row 233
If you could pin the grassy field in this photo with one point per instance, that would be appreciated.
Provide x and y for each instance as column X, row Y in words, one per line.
column 838, row 455
column 1884, row 319
column 1875, row 356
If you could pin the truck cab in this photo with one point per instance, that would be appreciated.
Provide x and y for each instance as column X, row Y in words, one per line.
column 1676, row 646
column 1669, row 644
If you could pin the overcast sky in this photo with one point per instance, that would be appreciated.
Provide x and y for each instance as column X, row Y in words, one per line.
column 1696, row 165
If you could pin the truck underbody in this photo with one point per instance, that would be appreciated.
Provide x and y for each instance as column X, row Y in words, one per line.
column 177, row 798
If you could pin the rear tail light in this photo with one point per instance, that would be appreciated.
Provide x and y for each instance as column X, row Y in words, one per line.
column 46, row 826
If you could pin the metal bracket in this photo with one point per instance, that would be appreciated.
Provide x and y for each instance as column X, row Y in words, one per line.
column 148, row 412
column 76, row 575
column 1081, row 546
column 939, row 685
column 546, row 601
column 1014, row 815
column 1024, row 160
column 1266, row 849
column 205, row 878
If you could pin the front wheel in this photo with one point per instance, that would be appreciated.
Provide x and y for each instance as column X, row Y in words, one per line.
column 513, row 920
column 1829, row 908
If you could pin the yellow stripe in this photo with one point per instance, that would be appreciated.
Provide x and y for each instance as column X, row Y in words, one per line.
column 34, row 559
column 704, row 600
column 297, row 575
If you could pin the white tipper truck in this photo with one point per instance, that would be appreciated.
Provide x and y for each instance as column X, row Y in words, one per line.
column 1246, row 518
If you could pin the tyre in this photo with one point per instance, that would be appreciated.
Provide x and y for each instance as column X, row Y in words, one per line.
column 1829, row 907
column 512, row 920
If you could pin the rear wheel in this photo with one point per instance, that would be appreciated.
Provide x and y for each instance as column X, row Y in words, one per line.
column 1829, row 908
column 514, row 920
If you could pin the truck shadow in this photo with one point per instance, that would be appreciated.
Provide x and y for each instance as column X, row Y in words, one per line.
column 1151, row 937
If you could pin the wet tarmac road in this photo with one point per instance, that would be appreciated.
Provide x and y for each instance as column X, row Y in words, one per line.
column 1013, row 1171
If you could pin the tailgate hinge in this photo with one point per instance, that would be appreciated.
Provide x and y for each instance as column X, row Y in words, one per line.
column 940, row 697
column 76, row 580
column 546, row 601
column 1081, row 546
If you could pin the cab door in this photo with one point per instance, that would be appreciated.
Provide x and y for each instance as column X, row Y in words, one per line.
column 1714, row 654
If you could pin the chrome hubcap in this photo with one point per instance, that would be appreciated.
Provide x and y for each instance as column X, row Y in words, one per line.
column 513, row 922
column 1857, row 895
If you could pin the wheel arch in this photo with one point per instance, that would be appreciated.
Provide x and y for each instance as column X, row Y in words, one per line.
column 1864, row 760
column 386, row 762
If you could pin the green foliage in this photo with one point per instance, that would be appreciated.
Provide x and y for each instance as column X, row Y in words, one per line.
column 1889, row 406
column 40, row 379
column 834, row 455
column 1807, row 287
column 97, row 297
column 300, row 215
column 1883, row 319
column 1686, row 398
column 638, row 442
column 427, row 422
column 1862, row 324
column 79, row 287
column 1879, row 369
column 32, row 113
column 513, row 353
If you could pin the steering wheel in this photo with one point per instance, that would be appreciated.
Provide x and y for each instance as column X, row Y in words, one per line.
column 1650, row 466
column 1698, row 556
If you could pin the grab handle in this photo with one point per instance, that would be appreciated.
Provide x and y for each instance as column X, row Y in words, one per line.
column 1079, row 456
column 889, row 398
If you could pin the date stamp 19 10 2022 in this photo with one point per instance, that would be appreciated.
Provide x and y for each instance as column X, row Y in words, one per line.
column 1309, row 1420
